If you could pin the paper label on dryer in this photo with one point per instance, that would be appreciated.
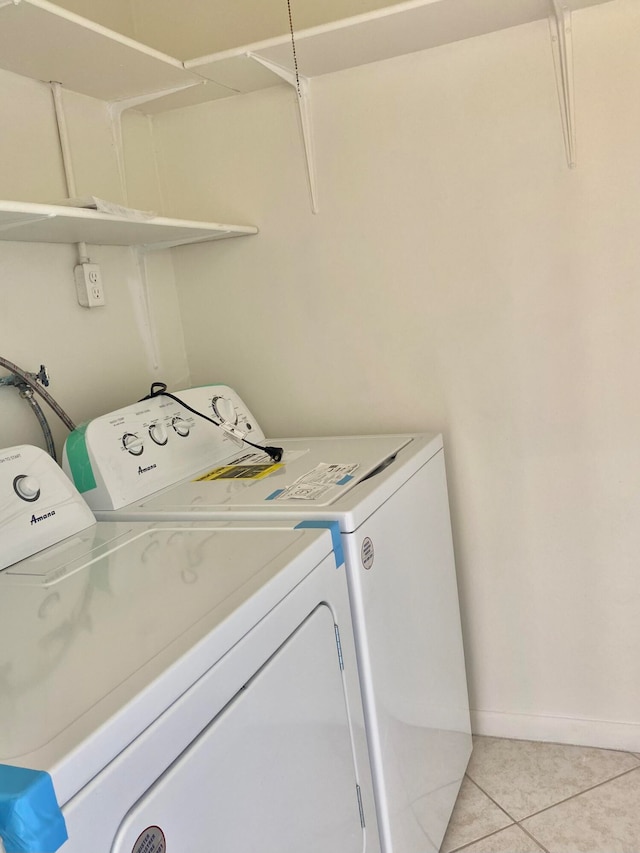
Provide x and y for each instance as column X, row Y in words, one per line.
column 302, row 492
column 239, row 472
column 315, row 483
column 325, row 474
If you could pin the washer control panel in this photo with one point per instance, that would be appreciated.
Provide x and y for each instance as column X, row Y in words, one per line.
column 133, row 452
column 39, row 506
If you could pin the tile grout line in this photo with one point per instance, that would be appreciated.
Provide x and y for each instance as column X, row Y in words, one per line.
column 532, row 837
column 564, row 800
column 572, row 797
column 489, row 834
column 495, row 802
column 496, row 832
column 518, row 823
column 483, row 838
column 578, row 794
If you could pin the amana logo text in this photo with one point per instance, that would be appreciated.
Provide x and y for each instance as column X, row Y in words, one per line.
column 142, row 470
column 36, row 518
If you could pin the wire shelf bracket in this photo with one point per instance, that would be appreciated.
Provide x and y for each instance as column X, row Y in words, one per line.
column 302, row 88
column 562, row 50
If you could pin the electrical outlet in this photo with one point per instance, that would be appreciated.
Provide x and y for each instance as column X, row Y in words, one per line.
column 89, row 287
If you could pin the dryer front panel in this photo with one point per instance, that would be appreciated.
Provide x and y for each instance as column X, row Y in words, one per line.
column 273, row 772
column 406, row 619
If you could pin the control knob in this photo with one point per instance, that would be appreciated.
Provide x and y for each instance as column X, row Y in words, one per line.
column 26, row 487
column 224, row 410
column 181, row 426
column 132, row 443
column 158, row 433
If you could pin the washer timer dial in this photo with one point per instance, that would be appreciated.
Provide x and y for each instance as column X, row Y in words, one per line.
column 132, row 443
column 224, row 410
column 181, row 426
column 158, row 433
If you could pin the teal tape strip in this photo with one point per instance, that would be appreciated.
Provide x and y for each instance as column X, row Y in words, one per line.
column 344, row 480
column 79, row 461
column 336, row 538
column 274, row 495
column 30, row 817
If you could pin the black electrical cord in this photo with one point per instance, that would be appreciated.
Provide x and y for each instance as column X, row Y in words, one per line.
column 159, row 389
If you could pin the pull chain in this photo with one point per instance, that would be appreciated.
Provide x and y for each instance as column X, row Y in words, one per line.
column 293, row 47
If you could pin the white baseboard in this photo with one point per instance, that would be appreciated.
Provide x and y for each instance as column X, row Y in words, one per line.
column 601, row 733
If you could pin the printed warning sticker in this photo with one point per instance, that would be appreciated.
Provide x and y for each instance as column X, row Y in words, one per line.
column 253, row 465
column 239, row 472
column 315, row 483
column 328, row 475
column 302, row 492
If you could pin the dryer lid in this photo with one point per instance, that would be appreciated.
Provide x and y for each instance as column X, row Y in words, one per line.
column 316, row 479
column 101, row 633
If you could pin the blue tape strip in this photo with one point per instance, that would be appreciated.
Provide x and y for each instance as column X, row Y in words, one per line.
column 344, row 480
column 30, row 817
column 274, row 495
column 334, row 527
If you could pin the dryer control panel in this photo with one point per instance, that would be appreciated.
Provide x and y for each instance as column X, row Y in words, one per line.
column 133, row 452
column 38, row 505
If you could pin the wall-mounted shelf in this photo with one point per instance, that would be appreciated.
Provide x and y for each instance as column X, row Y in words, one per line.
column 44, row 41
column 377, row 35
column 41, row 40
column 48, row 223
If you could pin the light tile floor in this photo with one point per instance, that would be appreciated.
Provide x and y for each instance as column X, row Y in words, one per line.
column 525, row 797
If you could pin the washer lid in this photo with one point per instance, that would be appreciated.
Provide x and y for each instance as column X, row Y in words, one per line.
column 101, row 633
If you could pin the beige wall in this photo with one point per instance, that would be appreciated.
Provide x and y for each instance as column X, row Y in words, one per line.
column 458, row 278
column 98, row 359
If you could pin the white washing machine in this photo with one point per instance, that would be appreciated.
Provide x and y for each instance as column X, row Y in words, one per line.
column 385, row 499
column 172, row 687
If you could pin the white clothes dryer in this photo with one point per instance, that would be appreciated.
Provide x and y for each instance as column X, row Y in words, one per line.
column 386, row 499
column 173, row 687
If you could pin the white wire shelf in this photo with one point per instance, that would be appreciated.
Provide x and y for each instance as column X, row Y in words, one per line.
column 48, row 223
